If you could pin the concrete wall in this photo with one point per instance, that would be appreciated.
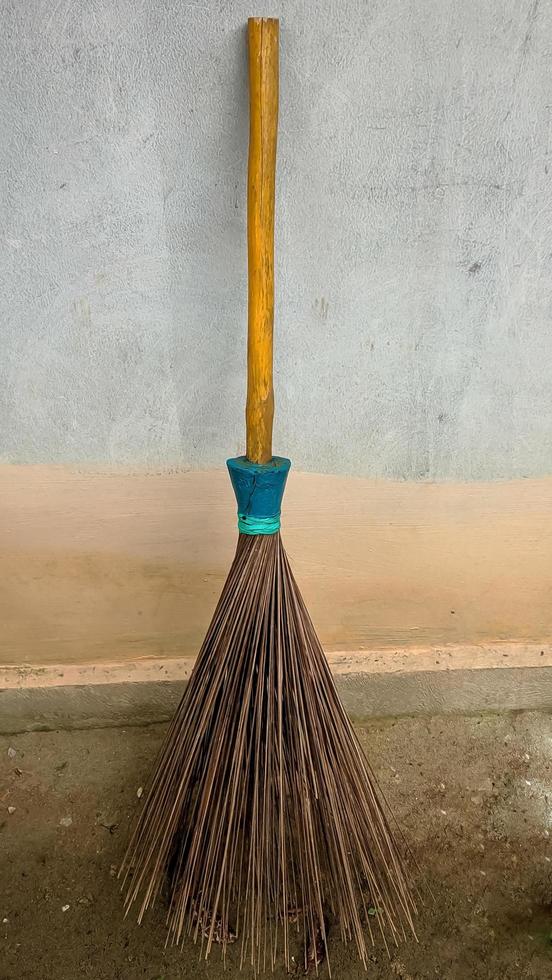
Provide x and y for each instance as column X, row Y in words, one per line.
column 414, row 282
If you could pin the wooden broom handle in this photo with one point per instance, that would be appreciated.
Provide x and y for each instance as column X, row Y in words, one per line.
column 263, row 126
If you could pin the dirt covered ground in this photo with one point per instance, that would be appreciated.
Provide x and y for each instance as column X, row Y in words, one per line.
column 473, row 796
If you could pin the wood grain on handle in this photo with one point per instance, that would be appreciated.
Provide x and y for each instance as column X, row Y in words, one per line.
column 263, row 126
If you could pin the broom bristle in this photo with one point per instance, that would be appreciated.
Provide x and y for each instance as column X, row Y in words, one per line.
column 262, row 807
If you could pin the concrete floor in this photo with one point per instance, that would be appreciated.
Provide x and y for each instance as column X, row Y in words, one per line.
column 472, row 794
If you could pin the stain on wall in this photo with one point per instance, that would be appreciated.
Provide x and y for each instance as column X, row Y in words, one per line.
column 414, row 285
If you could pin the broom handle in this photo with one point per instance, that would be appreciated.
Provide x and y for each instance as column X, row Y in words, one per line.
column 263, row 126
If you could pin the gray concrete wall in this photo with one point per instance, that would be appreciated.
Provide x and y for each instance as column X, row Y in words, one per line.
column 414, row 266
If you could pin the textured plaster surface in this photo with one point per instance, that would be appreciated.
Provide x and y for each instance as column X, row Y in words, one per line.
column 414, row 247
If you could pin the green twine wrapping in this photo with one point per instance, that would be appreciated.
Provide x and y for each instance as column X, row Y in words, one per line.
column 247, row 524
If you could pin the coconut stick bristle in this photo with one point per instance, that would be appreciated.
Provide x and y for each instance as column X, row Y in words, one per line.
column 262, row 807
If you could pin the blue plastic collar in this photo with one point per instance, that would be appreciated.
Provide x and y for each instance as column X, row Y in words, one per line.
column 259, row 488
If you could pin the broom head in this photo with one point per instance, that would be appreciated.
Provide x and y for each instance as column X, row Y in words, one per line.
column 262, row 816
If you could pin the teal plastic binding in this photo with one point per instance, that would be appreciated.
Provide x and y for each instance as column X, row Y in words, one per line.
column 258, row 525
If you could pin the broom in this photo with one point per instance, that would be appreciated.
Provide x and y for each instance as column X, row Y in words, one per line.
column 262, row 812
